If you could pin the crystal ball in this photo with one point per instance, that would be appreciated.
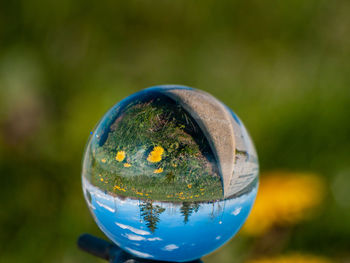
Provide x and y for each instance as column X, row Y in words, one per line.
column 170, row 173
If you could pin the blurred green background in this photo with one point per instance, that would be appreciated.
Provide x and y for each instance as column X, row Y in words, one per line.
column 282, row 66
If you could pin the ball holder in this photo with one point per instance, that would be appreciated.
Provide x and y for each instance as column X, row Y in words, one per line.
column 108, row 251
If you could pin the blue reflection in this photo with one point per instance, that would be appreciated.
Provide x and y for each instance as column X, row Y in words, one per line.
column 168, row 231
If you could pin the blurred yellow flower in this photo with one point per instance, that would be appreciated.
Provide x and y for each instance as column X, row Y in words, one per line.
column 157, row 171
column 127, row 164
column 103, row 160
column 156, row 154
column 189, row 186
column 120, row 156
column 284, row 198
column 292, row 258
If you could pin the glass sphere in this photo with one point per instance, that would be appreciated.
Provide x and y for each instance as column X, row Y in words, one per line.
column 170, row 173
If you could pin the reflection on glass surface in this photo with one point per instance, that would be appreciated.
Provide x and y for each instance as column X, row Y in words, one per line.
column 170, row 173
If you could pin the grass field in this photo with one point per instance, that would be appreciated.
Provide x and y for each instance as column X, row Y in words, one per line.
column 155, row 150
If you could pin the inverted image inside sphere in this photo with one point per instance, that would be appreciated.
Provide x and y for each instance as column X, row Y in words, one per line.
column 171, row 152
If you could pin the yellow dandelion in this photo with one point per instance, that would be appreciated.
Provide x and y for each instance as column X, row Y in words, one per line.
column 104, row 160
column 283, row 199
column 292, row 258
column 127, row 164
column 158, row 149
column 157, row 171
column 156, row 154
column 101, row 179
column 120, row 156
column 189, row 186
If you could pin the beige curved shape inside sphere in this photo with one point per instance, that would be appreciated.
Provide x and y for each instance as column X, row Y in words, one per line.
column 218, row 125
